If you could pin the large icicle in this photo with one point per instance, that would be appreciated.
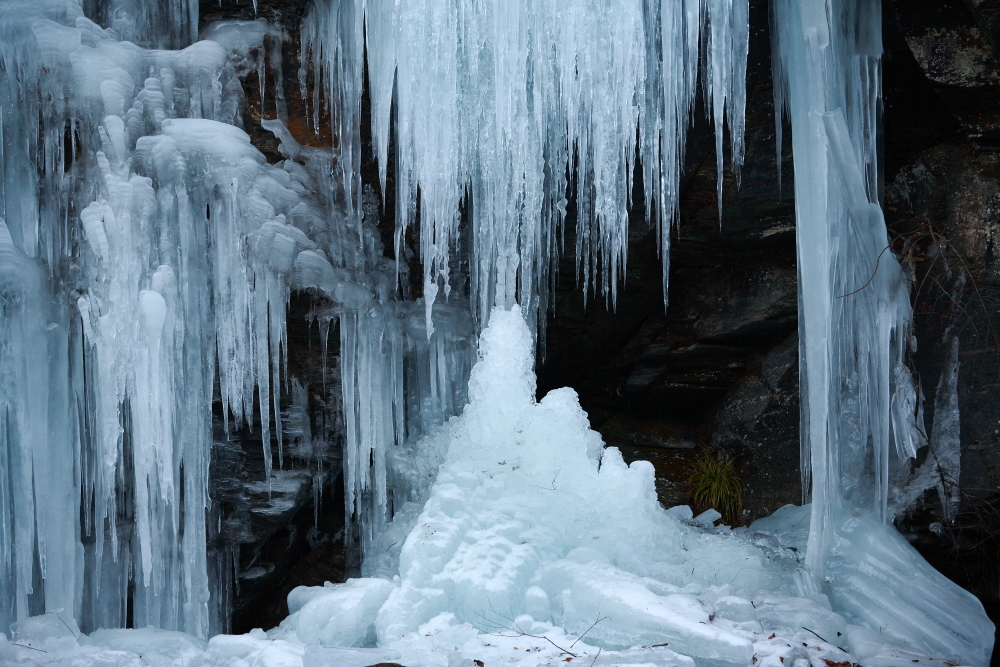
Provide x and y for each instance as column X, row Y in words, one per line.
column 859, row 400
column 854, row 296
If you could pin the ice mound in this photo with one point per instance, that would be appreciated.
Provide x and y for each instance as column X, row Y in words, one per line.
column 336, row 614
column 531, row 528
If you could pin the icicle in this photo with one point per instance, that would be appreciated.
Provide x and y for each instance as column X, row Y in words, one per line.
column 854, row 330
column 519, row 94
column 153, row 141
column 171, row 24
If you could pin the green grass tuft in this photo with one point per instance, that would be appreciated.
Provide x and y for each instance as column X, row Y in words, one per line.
column 714, row 483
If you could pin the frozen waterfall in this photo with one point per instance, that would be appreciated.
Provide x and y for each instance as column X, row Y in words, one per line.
column 148, row 253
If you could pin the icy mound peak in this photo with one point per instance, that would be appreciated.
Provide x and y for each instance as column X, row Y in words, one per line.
column 506, row 359
column 522, row 520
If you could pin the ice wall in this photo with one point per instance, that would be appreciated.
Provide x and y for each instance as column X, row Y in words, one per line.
column 166, row 24
column 129, row 196
column 496, row 104
column 147, row 253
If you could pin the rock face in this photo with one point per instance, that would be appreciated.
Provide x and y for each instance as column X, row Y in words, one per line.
column 718, row 367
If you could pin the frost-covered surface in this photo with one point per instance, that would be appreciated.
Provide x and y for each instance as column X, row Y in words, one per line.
column 535, row 545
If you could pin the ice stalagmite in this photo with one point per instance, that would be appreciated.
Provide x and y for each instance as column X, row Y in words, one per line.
column 859, row 399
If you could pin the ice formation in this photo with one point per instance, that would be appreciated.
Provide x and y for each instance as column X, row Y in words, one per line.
column 497, row 104
column 859, row 398
column 535, row 544
column 531, row 524
column 147, row 250
column 147, row 254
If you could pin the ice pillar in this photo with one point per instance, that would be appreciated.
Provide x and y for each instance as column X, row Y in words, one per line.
column 853, row 296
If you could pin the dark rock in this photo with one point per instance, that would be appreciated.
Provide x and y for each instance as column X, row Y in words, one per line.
column 957, row 58
column 655, row 382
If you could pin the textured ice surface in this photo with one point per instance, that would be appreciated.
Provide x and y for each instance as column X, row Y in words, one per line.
column 146, row 250
column 122, row 165
column 334, row 615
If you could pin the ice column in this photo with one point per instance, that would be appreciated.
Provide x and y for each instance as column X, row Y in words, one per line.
column 40, row 555
column 858, row 396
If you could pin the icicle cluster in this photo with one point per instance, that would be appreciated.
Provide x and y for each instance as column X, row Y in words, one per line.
column 497, row 105
column 144, row 244
column 396, row 380
column 166, row 24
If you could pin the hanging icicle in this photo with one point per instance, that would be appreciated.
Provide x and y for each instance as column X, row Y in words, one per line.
column 497, row 105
